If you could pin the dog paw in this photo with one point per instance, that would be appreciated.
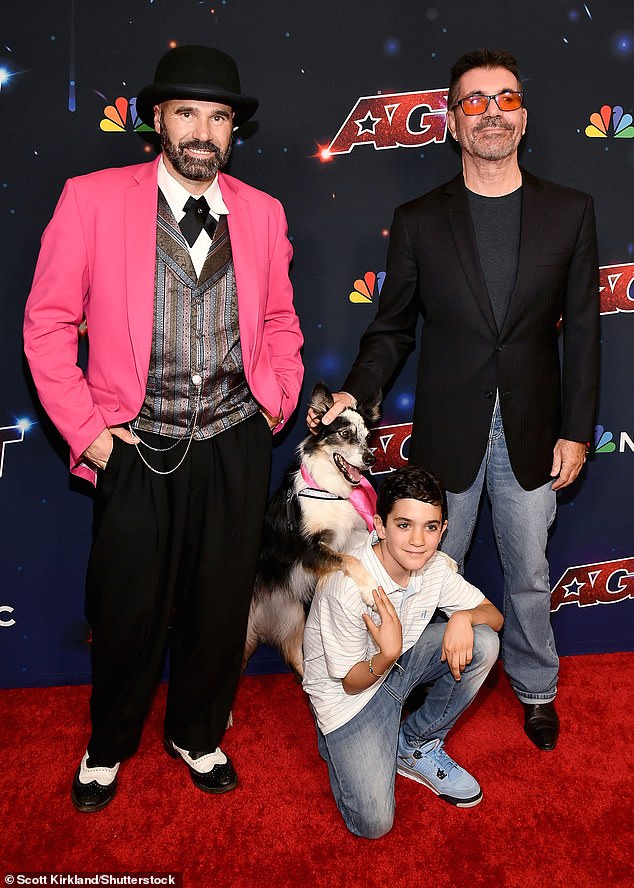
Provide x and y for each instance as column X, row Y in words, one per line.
column 365, row 591
column 365, row 583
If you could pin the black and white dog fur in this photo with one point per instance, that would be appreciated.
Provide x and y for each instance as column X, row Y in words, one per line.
column 308, row 527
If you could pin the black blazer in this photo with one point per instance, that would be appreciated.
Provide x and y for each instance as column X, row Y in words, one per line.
column 433, row 268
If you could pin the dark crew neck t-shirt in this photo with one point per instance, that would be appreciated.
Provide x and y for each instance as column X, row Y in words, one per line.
column 496, row 221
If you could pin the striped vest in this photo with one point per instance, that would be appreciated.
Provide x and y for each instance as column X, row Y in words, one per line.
column 196, row 374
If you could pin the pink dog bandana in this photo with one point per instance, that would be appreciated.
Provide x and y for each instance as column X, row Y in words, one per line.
column 362, row 497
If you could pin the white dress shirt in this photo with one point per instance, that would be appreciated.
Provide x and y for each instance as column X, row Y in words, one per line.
column 177, row 196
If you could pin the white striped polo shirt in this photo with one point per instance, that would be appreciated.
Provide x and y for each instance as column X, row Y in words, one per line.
column 335, row 638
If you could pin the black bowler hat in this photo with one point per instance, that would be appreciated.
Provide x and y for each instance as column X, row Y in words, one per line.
column 196, row 72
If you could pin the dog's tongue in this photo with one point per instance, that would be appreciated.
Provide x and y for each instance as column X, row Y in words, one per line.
column 351, row 473
column 354, row 473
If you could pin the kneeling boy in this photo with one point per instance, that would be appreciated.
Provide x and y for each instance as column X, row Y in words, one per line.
column 360, row 665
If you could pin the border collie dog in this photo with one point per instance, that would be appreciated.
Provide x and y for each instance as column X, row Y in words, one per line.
column 323, row 507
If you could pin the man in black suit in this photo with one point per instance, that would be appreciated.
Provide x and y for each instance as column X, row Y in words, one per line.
column 493, row 260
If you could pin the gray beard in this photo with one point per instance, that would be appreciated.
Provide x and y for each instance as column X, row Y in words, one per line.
column 196, row 169
column 489, row 149
column 493, row 152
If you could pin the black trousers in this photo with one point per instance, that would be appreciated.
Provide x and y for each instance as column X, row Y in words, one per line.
column 173, row 563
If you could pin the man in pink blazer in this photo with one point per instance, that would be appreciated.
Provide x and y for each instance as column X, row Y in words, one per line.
column 181, row 275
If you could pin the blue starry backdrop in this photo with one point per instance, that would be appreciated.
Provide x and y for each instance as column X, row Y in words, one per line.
column 340, row 156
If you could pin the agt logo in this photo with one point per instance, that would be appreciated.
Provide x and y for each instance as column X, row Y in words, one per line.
column 612, row 121
column 367, row 287
column 12, row 435
column 388, row 444
column 6, row 622
column 398, row 120
column 604, row 441
column 117, row 119
column 590, row 584
column 615, row 288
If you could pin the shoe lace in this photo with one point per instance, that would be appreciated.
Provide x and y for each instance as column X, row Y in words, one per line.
column 444, row 760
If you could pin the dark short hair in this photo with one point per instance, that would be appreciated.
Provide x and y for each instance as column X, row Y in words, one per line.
column 410, row 482
column 480, row 58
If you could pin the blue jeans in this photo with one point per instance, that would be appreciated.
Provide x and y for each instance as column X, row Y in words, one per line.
column 361, row 755
column 521, row 519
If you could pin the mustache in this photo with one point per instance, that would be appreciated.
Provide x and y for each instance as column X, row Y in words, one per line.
column 489, row 122
column 197, row 145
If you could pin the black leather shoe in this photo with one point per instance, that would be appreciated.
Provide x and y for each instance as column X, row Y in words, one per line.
column 220, row 776
column 541, row 724
column 93, row 795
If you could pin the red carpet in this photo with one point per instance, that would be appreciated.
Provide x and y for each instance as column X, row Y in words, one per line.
column 547, row 819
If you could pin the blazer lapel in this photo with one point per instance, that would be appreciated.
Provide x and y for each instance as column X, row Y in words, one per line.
column 466, row 247
column 530, row 245
column 244, row 235
column 139, row 238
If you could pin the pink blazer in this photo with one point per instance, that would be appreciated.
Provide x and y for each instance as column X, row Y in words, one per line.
column 98, row 260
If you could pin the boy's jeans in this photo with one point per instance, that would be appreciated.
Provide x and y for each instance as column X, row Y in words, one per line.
column 361, row 755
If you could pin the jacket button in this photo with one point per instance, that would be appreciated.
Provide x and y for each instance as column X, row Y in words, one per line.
column 499, row 348
column 488, row 394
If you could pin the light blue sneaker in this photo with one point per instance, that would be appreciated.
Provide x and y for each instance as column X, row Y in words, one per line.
column 430, row 765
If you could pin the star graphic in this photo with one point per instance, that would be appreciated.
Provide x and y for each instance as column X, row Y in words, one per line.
column 368, row 124
column 573, row 588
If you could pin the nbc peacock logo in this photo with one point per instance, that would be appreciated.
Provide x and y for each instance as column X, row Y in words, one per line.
column 603, row 440
column 608, row 442
column 122, row 117
column 367, row 287
column 610, row 123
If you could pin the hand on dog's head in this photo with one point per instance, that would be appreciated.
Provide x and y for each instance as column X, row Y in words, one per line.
column 321, row 400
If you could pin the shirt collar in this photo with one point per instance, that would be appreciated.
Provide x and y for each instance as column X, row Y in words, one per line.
column 176, row 195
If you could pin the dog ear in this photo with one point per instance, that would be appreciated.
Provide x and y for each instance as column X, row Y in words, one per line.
column 370, row 408
column 321, row 399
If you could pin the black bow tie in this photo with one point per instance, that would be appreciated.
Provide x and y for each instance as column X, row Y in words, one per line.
column 197, row 217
